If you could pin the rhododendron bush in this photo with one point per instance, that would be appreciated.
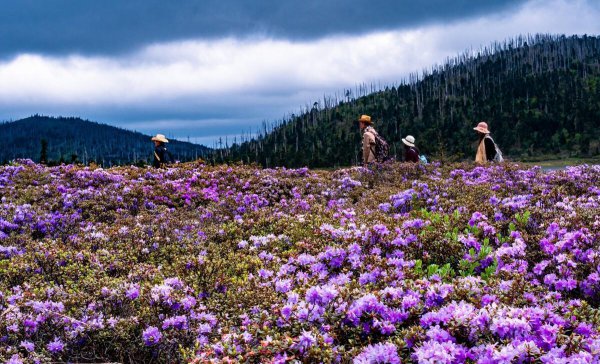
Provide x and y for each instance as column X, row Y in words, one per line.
column 402, row 263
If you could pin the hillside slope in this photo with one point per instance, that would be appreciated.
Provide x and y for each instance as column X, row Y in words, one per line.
column 540, row 95
column 73, row 138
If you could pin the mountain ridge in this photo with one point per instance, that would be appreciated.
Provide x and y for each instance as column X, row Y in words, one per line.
column 73, row 139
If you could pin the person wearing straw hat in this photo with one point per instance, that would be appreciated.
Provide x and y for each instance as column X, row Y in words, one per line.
column 368, row 140
column 486, row 148
column 161, row 154
column 411, row 152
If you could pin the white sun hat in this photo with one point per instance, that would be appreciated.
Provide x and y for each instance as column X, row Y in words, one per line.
column 160, row 138
column 409, row 140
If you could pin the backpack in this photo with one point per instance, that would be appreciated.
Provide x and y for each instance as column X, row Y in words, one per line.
column 423, row 159
column 498, row 157
column 382, row 149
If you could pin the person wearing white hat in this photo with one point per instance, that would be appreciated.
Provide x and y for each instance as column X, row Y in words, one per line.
column 411, row 152
column 161, row 154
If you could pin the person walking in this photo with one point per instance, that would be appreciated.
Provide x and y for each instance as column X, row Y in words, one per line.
column 161, row 154
column 487, row 151
column 368, row 140
column 411, row 152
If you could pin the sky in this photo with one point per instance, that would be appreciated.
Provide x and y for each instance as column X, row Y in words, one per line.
column 201, row 70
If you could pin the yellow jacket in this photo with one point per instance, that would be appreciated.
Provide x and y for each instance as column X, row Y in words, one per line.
column 369, row 145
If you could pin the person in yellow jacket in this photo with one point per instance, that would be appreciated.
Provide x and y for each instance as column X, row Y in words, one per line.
column 368, row 139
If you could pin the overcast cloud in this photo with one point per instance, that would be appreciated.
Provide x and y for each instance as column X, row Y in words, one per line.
column 188, row 81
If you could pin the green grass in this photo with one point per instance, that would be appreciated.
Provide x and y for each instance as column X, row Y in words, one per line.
column 561, row 163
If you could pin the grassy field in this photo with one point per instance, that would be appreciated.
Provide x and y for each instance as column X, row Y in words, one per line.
column 557, row 163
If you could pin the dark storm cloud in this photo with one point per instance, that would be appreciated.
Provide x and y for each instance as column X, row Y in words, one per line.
column 129, row 70
column 117, row 26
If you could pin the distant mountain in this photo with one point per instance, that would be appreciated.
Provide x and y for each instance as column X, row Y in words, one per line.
column 74, row 139
column 539, row 94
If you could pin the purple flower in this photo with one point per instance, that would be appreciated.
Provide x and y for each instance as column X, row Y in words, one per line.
column 335, row 256
column 9, row 251
column 402, row 201
column 27, row 345
column 410, row 300
column 247, row 336
column 381, row 230
column 132, row 292
column 470, row 242
column 348, row 183
column 546, row 338
column 568, row 284
column 283, row 285
column 188, row 302
column 506, row 327
column 517, row 201
column 55, row 346
column 538, row 269
column 305, row 341
column 368, row 304
column 218, row 348
column 151, row 336
column 15, row 359
column 177, row 322
column 382, row 353
column 498, row 216
column 436, row 352
column 174, row 282
column 280, row 358
column 416, row 223
column 385, row 207
column 286, row 311
column 204, row 328
column 477, row 216
column 550, row 279
column 30, row 325
column 305, row 259
column 369, row 277
column 438, row 334
column 584, row 329
column 265, row 273
column 487, row 299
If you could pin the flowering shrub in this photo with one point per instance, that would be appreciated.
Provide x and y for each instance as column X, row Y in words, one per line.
column 422, row 264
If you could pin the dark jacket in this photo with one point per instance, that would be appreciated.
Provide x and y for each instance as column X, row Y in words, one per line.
column 161, row 156
column 490, row 149
column 411, row 154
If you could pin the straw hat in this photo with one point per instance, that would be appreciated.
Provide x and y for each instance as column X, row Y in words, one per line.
column 482, row 127
column 160, row 138
column 365, row 119
column 409, row 140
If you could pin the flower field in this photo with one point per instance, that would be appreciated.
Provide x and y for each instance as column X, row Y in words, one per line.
column 411, row 264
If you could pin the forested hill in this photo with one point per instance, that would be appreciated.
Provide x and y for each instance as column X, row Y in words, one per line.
column 76, row 140
column 539, row 94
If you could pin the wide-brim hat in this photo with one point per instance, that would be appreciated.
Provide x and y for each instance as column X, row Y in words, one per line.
column 409, row 140
column 160, row 138
column 482, row 127
column 365, row 119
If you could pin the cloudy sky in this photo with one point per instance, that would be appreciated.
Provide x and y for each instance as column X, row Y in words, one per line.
column 209, row 68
